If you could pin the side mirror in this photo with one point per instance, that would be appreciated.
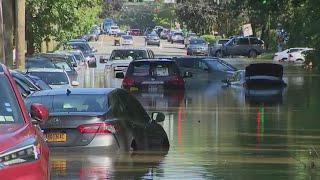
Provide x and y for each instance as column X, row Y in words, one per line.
column 157, row 117
column 39, row 112
column 187, row 74
column 75, row 83
column 120, row 75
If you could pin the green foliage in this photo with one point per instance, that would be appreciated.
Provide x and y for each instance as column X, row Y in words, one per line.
column 210, row 38
column 60, row 19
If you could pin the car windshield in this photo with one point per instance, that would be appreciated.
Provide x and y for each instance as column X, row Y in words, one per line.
column 154, row 69
column 39, row 64
column 178, row 34
column 114, row 27
column 79, row 103
column 62, row 65
column 84, row 47
column 10, row 112
column 197, row 41
column 127, row 37
column 223, row 41
column 52, row 78
column 128, row 55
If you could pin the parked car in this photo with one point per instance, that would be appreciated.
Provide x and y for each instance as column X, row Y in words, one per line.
column 241, row 46
column 284, row 55
column 55, row 78
column 63, row 61
column 24, row 153
column 87, row 51
column 153, row 75
column 120, row 58
column 188, row 39
column 81, row 60
column 153, row 39
column 114, row 30
column 197, row 46
column 204, row 70
column 135, row 32
column 28, row 84
column 126, row 40
column 298, row 56
column 217, row 46
column 99, row 119
column 177, row 37
column 164, row 33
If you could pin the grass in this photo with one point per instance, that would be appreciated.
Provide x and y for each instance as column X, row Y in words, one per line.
column 266, row 56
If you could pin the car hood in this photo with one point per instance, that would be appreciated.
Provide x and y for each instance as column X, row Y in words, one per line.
column 13, row 134
column 264, row 69
column 119, row 63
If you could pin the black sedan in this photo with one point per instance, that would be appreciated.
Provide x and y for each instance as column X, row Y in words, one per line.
column 105, row 118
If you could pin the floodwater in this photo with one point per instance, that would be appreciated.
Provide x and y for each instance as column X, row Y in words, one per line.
column 218, row 133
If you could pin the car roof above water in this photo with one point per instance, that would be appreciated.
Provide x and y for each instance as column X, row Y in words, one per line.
column 74, row 91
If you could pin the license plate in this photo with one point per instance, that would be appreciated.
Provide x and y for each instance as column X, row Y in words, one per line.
column 59, row 167
column 56, row 137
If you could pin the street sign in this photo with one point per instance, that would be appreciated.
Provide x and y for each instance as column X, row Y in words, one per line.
column 247, row 30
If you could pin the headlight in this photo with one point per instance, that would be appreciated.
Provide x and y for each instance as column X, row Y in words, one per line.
column 27, row 151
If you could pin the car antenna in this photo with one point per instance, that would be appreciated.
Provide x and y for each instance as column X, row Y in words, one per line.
column 68, row 92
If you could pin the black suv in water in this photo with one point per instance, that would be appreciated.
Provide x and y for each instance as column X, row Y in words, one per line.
column 241, row 46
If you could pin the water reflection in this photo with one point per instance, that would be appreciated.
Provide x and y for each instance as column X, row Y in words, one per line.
column 222, row 133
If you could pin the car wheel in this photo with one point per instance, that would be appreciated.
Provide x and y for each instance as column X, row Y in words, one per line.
column 252, row 54
column 219, row 54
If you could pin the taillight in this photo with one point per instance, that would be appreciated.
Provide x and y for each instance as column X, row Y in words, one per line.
column 127, row 82
column 97, row 128
column 176, row 81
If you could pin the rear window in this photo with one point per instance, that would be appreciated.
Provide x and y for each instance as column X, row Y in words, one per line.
column 127, row 37
column 52, row 78
column 180, row 34
column 10, row 112
column 128, row 55
column 157, row 69
column 197, row 41
column 242, row 41
column 39, row 64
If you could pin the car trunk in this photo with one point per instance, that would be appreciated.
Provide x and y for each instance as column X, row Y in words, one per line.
column 63, row 129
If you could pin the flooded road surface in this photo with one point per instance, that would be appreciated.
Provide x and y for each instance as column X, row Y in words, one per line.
column 217, row 133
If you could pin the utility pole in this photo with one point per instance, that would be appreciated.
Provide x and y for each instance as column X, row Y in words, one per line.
column 8, row 20
column 2, row 53
column 20, row 37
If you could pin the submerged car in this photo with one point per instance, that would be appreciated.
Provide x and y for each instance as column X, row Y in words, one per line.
column 107, row 119
column 55, row 78
column 153, row 75
column 24, row 153
column 197, row 46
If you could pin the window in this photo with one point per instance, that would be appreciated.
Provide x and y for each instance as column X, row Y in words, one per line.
column 128, row 55
column 39, row 64
column 243, row 41
column 9, row 108
column 220, row 66
column 186, row 63
column 52, row 78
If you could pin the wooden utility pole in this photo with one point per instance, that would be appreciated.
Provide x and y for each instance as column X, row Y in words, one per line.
column 2, row 53
column 20, row 37
column 8, row 20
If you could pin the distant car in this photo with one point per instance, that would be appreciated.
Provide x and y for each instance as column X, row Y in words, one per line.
column 241, row 46
column 120, row 58
column 104, row 119
column 81, row 60
column 93, row 35
column 153, row 75
column 24, row 153
column 217, row 46
column 177, row 37
column 55, row 78
column 188, row 38
column 153, row 39
column 284, row 55
column 126, row 40
column 135, row 32
column 164, row 33
column 197, row 46
column 169, row 35
column 114, row 30
column 87, row 51
column 298, row 56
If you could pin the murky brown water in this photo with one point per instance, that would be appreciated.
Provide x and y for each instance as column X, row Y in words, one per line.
column 218, row 133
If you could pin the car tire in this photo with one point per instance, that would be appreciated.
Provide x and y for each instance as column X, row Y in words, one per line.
column 253, row 54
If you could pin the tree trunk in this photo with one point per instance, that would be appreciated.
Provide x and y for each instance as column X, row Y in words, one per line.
column 20, row 33
column 2, row 43
column 8, row 31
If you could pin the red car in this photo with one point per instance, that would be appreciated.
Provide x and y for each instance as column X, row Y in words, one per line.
column 135, row 32
column 24, row 153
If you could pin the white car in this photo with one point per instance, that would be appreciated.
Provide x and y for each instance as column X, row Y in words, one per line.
column 55, row 78
column 284, row 55
column 299, row 56
column 114, row 30
column 126, row 40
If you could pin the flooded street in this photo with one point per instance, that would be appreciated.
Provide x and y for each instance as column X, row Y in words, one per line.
column 216, row 133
